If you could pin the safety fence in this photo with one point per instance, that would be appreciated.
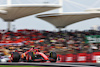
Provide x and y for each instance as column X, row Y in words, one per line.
column 80, row 58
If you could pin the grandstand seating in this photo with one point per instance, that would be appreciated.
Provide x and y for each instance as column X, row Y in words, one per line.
column 63, row 42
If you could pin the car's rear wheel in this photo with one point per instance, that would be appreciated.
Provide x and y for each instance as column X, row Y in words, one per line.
column 15, row 57
column 53, row 55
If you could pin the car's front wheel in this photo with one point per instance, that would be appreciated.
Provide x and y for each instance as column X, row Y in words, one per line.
column 54, row 56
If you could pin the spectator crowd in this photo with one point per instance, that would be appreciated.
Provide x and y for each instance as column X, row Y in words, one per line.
column 63, row 42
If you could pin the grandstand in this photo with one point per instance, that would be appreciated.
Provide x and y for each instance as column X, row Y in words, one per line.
column 65, row 43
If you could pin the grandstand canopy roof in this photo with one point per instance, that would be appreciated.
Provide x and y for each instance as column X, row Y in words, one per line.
column 13, row 12
column 61, row 20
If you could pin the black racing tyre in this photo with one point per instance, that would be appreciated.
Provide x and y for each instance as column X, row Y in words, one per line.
column 30, row 57
column 54, row 56
column 15, row 57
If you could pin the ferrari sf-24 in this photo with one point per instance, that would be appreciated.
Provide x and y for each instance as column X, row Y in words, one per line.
column 33, row 55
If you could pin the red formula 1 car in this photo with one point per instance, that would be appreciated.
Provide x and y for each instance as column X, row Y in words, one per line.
column 33, row 55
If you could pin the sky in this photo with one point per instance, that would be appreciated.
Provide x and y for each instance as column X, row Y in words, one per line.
column 31, row 22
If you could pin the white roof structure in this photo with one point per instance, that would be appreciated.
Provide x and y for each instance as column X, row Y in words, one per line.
column 93, row 10
column 12, row 12
column 61, row 20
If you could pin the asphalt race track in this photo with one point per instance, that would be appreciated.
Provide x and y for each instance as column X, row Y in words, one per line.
column 56, row 64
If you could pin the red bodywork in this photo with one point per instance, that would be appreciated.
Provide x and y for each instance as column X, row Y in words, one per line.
column 37, row 56
column 43, row 55
column 36, row 51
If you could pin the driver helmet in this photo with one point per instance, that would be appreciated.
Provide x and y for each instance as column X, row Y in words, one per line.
column 32, row 47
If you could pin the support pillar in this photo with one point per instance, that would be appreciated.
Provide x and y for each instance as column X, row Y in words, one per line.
column 9, row 2
column 8, row 25
column 59, row 29
column 60, row 11
column 61, row 8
